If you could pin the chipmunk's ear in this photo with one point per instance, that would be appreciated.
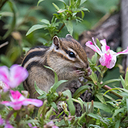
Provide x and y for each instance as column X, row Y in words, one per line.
column 68, row 36
column 56, row 42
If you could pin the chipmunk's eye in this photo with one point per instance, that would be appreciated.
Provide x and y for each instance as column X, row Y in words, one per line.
column 71, row 54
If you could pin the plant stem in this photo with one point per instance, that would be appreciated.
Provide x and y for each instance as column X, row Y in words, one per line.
column 4, row 44
column 61, row 27
column 108, row 88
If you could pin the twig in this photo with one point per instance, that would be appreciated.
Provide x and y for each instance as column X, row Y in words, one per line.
column 61, row 27
column 4, row 44
column 108, row 88
column 105, row 17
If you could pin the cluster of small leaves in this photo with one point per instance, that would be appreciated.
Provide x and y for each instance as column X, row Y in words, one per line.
column 63, row 17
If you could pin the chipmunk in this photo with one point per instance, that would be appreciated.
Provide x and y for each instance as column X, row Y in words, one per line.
column 65, row 56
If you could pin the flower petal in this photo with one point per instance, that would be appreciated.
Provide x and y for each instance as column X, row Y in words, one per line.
column 123, row 52
column 16, row 95
column 15, row 105
column 93, row 47
column 1, row 120
column 104, row 46
column 18, row 74
column 8, row 125
column 35, row 102
column 30, row 125
column 17, row 100
column 4, row 74
column 108, row 60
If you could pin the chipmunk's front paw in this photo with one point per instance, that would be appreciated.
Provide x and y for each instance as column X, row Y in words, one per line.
column 79, row 73
column 89, row 71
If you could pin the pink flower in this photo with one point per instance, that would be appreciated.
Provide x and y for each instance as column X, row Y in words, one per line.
column 8, row 125
column 108, row 57
column 1, row 120
column 30, row 125
column 17, row 100
column 13, row 77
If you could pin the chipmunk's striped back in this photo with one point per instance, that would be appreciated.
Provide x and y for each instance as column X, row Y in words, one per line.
column 33, row 56
column 66, row 56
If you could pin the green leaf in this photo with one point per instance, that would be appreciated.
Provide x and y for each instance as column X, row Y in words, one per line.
column 80, row 90
column 5, row 61
column 94, row 126
column 101, row 98
column 78, row 3
column 109, row 97
column 98, row 69
column 54, row 106
column 82, row 1
column 41, row 92
column 82, row 117
column 94, row 58
column 98, row 43
column 123, row 94
column 39, row 2
column 71, row 106
column 57, row 8
column 56, row 85
column 63, row 1
column 35, row 27
column 122, row 82
column 84, row 9
column 126, row 79
column 69, row 26
column 49, row 113
column 98, row 117
column 13, row 23
column 101, row 106
column 45, row 21
column 82, row 13
column 127, row 104
column 110, row 81
column 79, row 101
column 117, row 125
column 72, row 3
column 56, row 77
column 61, row 10
column 42, row 110
column 95, row 116
column 94, row 78
column 118, row 111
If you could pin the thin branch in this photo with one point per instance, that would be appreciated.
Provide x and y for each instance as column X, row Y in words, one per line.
column 4, row 44
column 108, row 88
column 61, row 27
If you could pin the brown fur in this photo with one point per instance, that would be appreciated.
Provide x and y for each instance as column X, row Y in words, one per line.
column 56, row 58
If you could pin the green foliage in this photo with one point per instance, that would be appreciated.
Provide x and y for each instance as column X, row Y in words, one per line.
column 62, row 17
